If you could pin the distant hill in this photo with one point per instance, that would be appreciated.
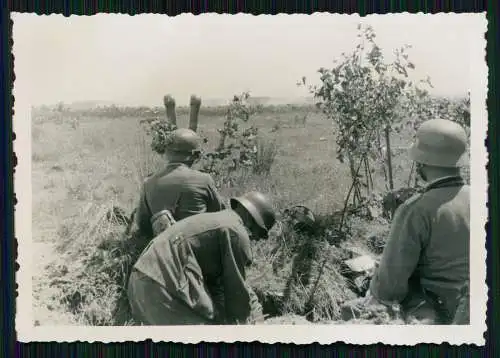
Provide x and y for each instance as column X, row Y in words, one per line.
column 279, row 100
column 205, row 102
column 82, row 105
column 260, row 100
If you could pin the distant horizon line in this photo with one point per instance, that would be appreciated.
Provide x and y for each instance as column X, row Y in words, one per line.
column 209, row 102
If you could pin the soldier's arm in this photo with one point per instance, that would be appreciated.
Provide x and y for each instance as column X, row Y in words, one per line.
column 215, row 202
column 239, row 300
column 143, row 216
column 400, row 256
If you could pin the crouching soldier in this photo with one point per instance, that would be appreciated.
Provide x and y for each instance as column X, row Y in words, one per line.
column 194, row 271
column 425, row 263
column 177, row 191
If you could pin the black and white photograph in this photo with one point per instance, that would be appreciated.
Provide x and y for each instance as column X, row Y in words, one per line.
column 272, row 178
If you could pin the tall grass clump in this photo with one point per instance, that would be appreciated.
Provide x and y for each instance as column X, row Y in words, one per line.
column 266, row 151
column 102, row 255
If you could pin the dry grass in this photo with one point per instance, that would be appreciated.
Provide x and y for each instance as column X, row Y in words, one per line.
column 101, row 256
column 267, row 149
column 81, row 171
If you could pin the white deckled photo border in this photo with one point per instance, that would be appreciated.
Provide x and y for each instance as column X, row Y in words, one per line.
column 297, row 334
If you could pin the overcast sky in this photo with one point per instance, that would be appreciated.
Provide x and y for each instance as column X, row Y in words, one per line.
column 137, row 59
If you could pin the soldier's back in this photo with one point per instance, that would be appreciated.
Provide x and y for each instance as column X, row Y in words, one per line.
column 202, row 233
column 180, row 189
column 444, row 265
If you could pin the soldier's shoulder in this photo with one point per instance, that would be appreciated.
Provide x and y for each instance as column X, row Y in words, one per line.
column 148, row 178
column 193, row 171
column 209, row 178
column 231, row 220
column 203, row 176
column 413, row 201
column 414, row 198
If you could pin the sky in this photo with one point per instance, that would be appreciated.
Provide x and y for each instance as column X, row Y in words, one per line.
column 135, row 60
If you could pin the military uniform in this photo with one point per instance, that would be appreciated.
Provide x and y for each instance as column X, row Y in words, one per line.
column 426, row 259
column 181, row 190
column 194, row 273
column 177, row 191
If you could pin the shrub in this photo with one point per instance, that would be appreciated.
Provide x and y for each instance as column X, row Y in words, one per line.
column 368, row 99
column 238, row 148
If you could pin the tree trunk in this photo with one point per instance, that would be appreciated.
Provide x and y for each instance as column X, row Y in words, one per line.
column 351, row 167
column 384, row 169
column 354, row 178
column 389, row 156
column 369, row 178
column 353, row 187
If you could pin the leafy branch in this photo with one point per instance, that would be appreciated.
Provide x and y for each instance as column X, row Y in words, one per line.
column 237, row 147
column 367, row 98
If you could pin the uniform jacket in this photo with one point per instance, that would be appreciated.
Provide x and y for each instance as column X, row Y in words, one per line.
column 180, row 189
column 202, row 260
column 428, row 246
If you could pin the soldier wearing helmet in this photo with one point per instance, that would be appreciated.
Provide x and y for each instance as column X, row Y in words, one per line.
column 178, row 191
column 194, row 271
column 425, row 263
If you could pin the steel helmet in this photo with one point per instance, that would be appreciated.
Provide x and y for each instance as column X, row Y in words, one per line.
column 259, row 207
column 440, row 143
column 183, row 140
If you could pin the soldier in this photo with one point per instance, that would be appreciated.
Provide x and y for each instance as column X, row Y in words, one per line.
column 178, row 190
column 425, row 263
column 194, row 271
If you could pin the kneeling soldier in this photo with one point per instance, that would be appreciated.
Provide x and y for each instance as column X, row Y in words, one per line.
column 425, row 263
column 194, row 271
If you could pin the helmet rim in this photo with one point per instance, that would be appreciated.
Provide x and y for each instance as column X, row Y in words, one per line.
column 253, row 210
column 437, row 159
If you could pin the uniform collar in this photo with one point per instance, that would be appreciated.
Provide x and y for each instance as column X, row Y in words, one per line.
column 176, row 164
column 168, row 167
column 452, row 180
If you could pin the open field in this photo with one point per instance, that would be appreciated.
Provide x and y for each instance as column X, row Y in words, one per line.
column 82, row 167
